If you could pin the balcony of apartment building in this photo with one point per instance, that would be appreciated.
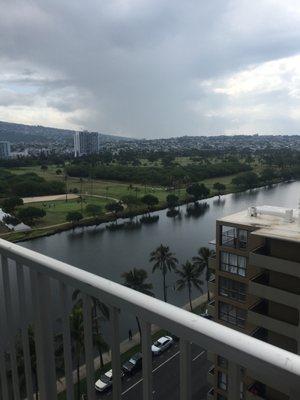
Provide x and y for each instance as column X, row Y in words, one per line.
column 264, row 259
column 32, row 283
column 276, row 287
column 260, row 334
column 233, row 237
column 211, row 307
column 275, row 317
column 212, row 284
column 212, row 263
column 259, row 391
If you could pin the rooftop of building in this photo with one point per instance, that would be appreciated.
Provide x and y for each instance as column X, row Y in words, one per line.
column 272, row 222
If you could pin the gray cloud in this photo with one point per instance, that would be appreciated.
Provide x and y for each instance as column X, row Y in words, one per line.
column 148, row 68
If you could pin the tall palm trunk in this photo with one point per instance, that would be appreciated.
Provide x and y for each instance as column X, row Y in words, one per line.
column 139, row 327
column 78, row 378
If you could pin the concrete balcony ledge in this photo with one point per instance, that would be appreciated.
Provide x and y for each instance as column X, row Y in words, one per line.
column 261, row 319
column 211, row 376
column 255, row 392
column 211, row 308
column 212, row 285
column 261, row 259
column 212, row 263
column 261, row 288
column 210, row 394
column 252, row 396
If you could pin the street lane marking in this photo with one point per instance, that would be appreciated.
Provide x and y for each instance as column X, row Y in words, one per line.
column 159, row 366
column 154, row 370
column 199, row 355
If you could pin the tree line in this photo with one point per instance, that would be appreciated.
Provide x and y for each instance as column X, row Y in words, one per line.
column 158, row 175
column 27, row 185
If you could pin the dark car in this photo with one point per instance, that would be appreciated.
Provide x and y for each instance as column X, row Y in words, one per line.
column 134, row 364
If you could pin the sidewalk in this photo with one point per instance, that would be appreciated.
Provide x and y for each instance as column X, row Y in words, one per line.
column 124, row 347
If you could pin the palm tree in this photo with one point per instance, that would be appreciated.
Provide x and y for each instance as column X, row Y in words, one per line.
column 189, row 276
column 164, row 261
column 136, row 280
column 100, row 312
column 201, row 261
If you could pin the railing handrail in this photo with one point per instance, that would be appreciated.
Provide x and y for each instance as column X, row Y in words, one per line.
column 270, row 363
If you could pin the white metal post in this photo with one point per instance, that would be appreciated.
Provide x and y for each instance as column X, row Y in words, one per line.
column 43, row 334
column 185, row 369
column 66, row 341
column 88, row 344
column 115, row 350
column 24, row 330
column 147, row 360
column 9, row 325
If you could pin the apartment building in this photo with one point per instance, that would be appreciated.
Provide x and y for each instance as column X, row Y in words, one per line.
column 5, row 150
column 256, row 286
column 86, row 143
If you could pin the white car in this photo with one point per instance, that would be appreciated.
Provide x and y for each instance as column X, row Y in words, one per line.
column 162, row 344
column 105, row 381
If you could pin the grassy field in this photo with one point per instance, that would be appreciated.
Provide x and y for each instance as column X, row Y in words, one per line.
column 56, row 211
column 98, row 187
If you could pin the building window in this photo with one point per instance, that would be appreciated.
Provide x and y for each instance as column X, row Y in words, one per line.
column 222, row 362
column 231, row 314
column 234, row 237
column 232, row 289
column 233, row 263
column 222, row 380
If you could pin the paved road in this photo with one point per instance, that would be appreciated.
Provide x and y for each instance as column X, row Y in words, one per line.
column 166, row 377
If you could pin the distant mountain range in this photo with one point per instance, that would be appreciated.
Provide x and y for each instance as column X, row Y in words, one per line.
column 16, row 133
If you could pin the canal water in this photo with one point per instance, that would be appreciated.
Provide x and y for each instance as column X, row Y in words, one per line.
column 109, row 254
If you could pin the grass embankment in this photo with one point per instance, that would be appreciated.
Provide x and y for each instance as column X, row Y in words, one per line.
column 56, row 211
column 55, row 219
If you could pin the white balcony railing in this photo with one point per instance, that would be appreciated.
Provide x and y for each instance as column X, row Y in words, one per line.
column 271, row 365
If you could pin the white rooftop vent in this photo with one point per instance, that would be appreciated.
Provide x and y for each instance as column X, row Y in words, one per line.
column 286, row 213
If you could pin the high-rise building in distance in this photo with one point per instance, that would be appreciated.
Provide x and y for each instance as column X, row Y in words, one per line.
column 4, row 150
column 86, row 143
column 256, row 288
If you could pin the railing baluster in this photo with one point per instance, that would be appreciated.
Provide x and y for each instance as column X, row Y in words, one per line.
column 115, row 350
column 295, row 392
column 66, row 341
column 43, row 334
column 234, row 381
column 147, row 360
column 3, row 373
column 9, row 325
column 88, row 344
column 185, row 369
column 24, row 331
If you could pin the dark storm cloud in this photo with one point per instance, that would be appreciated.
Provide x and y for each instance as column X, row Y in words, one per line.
column 149, row 68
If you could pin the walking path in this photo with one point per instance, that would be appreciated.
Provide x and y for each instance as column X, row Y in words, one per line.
column 56, row 197
column 124, row 347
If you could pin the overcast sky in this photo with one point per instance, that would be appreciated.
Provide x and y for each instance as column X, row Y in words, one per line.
column 152, row 68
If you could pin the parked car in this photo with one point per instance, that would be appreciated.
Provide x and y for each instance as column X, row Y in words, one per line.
column 162, row 344
column 134, row 364
column 105, row 381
